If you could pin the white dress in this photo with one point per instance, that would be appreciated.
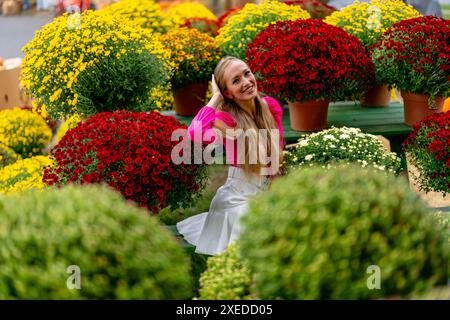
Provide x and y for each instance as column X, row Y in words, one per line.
column 211, row 232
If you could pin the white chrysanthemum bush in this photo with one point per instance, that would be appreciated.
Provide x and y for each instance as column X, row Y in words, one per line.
column 341, row 146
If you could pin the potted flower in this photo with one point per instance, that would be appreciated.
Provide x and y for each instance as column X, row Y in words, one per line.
column 368, row 22
column 195, row 56
column 341, row 146
column 91, row 63
column 129, row 151
column 24, row 132
column 242, row 27
column 317, row 9
column 428, row 153
column 309, row 63
column 413, row 56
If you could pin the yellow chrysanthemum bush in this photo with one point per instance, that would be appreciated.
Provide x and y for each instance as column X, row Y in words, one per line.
column 93, row 62
column 24, row 174
column 179, row 13
column 194, row 54
column 368, row 21
column 23, row 131
column 242, row 27
column 146, row 13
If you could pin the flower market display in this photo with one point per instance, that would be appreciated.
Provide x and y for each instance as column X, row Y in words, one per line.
column 241, row 28
column 25, row 132
column 24, row 174
column 414, row 56
column 309, row 59
column 316, row 8
column 91, row 63
column 145, row 13
column 428, row 145
column 368, row 21
column 97, row 167
column 130, row 151
column 120, row 252
column 337, row 146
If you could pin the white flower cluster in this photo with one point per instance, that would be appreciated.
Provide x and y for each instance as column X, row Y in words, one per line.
column 342, row 145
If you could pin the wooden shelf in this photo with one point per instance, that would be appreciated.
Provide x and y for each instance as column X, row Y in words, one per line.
column 379, row 121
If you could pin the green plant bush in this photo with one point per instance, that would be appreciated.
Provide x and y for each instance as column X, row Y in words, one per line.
column 122, row 252
column 444, row 220
column 314, row 235
column 226, row 278
column 119, row 83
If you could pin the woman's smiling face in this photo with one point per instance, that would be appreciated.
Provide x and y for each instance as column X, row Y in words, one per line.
column 240, row 82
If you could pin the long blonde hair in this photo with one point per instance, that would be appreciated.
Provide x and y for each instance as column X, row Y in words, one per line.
column 263, row 120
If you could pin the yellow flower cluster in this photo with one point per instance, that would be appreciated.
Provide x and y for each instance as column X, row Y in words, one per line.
column 368, row 21
column 177, row 15
column 242, row 27
column 68, row 45
column 195, row 55
column 7, row 155
column 23, row 131
column 67, row 125
column 24, row 174
column 146, row 13
column 162, row 97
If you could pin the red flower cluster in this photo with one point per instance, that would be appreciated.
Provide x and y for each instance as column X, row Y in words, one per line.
column 414, row 56
column 131, row 152
column 227, row 14
column 309, row 59
column 204, row 25
column 429, row 146
column 317, row 9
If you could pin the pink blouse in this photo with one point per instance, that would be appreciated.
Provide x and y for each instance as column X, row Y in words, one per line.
column 200, row 130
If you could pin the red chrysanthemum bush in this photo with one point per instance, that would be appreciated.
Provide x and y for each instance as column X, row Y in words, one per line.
column 309, row 59
column 131, row 152
column 429, row 148
column 414, row 56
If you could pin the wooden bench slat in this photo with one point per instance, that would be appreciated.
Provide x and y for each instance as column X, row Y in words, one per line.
column 380, row 121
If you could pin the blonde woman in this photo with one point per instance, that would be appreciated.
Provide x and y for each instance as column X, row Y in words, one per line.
column 250, row 128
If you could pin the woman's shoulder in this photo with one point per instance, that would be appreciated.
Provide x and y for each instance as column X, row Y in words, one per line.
column 226, row 117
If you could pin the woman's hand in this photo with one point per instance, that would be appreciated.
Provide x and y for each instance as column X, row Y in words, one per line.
column 217, row 97
column 215, row 87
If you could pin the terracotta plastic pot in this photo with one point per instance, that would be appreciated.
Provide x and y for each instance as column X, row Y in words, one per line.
column 377, row 96
column 310, row 115
column 190, row 99
column 416, row 107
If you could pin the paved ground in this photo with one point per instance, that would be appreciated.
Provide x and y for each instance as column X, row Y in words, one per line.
column 16, row 31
